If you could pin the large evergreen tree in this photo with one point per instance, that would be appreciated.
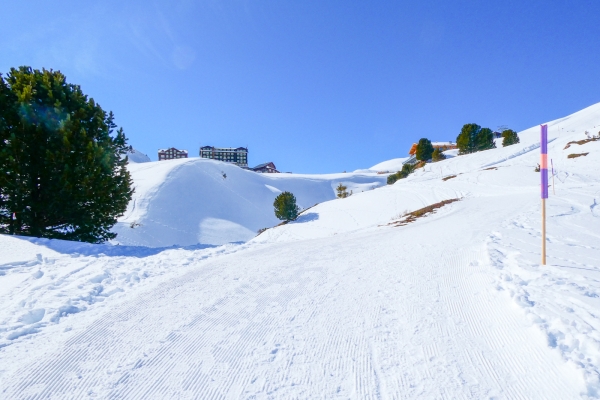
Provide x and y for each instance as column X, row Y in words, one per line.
column 424, row 150
column 62, row 165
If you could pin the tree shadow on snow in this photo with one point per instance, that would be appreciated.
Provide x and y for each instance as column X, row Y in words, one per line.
column 306, row 218
column 89, row 249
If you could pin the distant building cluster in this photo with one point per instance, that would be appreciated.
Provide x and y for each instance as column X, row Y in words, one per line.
column 233, row 155
column 171, row 154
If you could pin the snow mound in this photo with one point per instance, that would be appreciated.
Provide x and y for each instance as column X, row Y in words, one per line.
column 392, row 165
column 189, row 201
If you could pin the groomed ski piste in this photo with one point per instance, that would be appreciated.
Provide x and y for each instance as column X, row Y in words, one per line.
column 351, row 300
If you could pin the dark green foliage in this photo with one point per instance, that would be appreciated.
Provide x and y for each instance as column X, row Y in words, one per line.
column 406, row 170
column 466, row 138
column 485, row 139
column 62, row 167
column 509, row 137
column 437, row 155
column 474, row 138
column 285, row 207
column 424, row 150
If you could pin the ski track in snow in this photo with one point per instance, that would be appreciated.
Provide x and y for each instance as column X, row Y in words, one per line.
column 426, row 323
column 335, row 305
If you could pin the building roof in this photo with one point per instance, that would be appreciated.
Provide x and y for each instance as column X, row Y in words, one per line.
column 173, row 148
column 264, row 165
column 223, row 148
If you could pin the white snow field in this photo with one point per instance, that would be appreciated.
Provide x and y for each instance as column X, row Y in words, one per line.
column 338, row 304
column 195, row 200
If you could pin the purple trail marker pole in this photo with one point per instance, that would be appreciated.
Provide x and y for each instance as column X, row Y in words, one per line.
column 544, row 184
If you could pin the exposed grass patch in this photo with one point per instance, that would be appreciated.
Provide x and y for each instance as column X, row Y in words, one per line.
column 448, row 177
column 580, row 142
column 412, row 216
column 577, row 155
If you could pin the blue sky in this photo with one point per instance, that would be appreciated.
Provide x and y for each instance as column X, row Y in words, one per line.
column 314, row 86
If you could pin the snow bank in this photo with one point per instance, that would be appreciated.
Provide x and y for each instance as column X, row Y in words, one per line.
column 190, row 201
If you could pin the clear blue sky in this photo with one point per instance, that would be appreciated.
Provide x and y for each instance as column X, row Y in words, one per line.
column 314, row 86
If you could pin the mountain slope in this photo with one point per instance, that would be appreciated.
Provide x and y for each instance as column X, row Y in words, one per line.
column 339, row 304
column 191, row 201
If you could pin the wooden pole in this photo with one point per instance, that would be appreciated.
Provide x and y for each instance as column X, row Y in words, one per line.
column 543, row 231
column 553, row 190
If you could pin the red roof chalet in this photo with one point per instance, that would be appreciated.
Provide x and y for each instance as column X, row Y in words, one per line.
column 171, row 154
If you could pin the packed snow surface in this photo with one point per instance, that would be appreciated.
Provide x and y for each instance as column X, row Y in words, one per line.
column 344, row 302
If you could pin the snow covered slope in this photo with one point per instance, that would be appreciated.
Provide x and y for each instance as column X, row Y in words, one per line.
column 338, row 304
column 136, row 156
column 389, row 165
column 190, row 201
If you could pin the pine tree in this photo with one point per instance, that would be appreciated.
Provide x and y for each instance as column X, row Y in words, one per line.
column 437, row 155
column 485, row 139
column 466, row 138
column 406, row 170
column 285, row 207
column 509, row 137
column 424, row 150
column 341, row 191
column 473, row 137
column 62, row 165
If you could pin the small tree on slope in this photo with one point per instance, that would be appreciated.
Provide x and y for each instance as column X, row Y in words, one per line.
column 437, row 155
column 473, row 137
column 485, row 139
column 285, row 207
column 509, row 137
column 342, row 192
column 62, row 170
column 424, row 150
